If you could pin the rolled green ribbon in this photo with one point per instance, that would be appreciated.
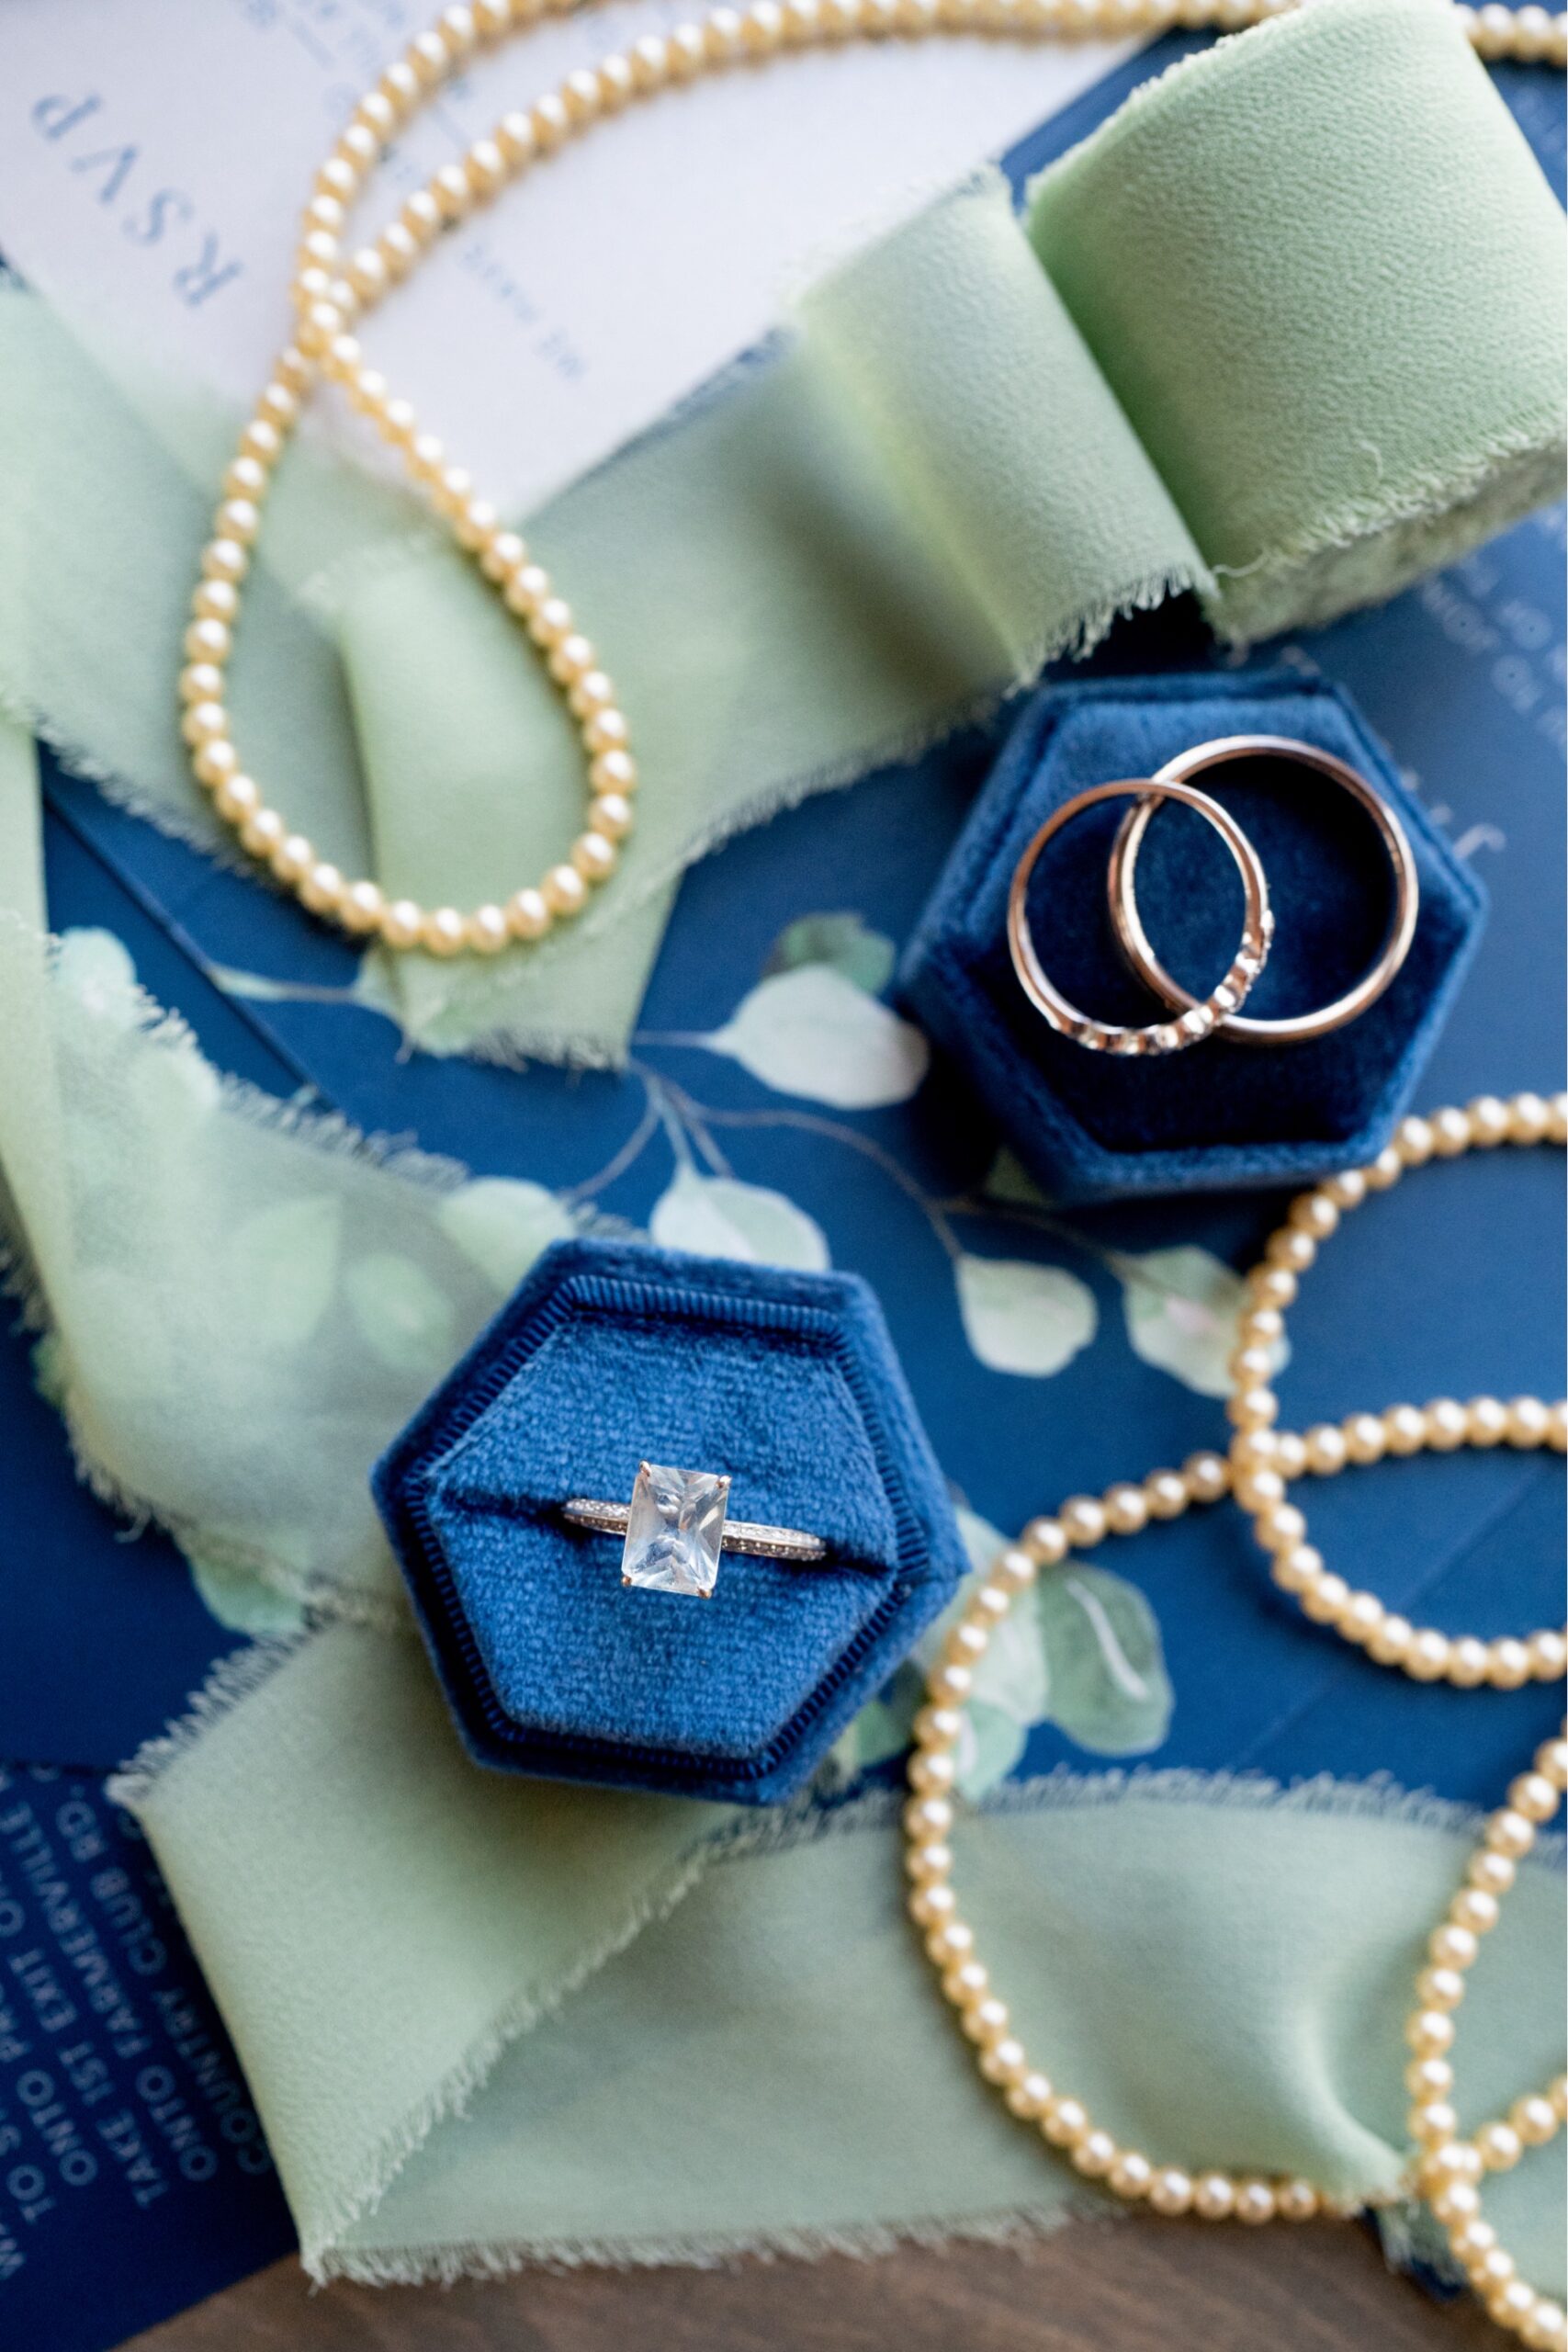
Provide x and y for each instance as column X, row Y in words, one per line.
column 1285, row 332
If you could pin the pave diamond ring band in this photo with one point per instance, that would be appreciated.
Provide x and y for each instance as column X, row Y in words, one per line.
column 1244, row 1027
column 676, row 1525
column 1197, row 1021
column 1186, row 1020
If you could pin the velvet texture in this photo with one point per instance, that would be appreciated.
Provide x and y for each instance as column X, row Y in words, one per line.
column 611, row 1353
column 1091, row 1125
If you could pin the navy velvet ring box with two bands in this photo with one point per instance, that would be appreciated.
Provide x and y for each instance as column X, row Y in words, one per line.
column 614, row 1352
column 1224, row 1115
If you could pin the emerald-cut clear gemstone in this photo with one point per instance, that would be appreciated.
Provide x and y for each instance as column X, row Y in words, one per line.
column 674, row 1530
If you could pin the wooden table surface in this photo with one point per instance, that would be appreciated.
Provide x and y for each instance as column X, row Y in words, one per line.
column 1128, row 2287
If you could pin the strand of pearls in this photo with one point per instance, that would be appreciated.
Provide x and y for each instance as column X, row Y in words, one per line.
column 1064, row 2120
column 1450, row 2168
column 331, row 292
column 1262, row 1463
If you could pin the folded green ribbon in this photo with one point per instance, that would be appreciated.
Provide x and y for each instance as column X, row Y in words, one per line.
column 489, row 2020
column 1285, row 332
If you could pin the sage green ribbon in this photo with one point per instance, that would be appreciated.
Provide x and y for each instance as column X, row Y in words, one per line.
column 488, row 2021
column 1285, row 332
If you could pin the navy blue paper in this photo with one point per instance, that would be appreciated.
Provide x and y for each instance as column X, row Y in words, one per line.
column 133, row 2174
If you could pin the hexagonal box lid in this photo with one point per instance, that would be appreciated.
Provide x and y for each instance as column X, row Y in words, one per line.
column 612, row 1356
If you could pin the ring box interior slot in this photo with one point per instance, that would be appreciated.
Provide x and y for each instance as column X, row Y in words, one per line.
column 1094, row 1126
column 612, row 1353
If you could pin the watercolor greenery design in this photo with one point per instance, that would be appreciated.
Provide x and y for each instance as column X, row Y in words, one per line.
column 1082, row 1650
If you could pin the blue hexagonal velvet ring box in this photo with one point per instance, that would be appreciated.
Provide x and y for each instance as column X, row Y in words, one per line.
column 1095, row 1126
column 614, row 1358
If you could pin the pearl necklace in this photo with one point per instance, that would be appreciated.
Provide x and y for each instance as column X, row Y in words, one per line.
column 1447, row 2167
column 329, row 294
column 1422, row 1653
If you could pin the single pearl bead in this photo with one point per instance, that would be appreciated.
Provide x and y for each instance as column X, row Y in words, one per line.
column 565, row 891
column 1047, row 1542
column 1467, row 1662
column 1390, row 1645
column 950, row 1683
column 1457, row 2202
column 321, row 887
column 203, row 721
column 1206, row 1477
column 1213, row 2196
column 1429, row 2032
column 1299, row 1569
column 1385, row 1171
column 1015, row 1569
column 208, row 643
column 1083, row 1522
column 485, row 931
column 1004, row 2062
column 1493, row 1873
column 1448, row 1425
column 1428, row 1658
column 262, row 833
column 1324, row 1598
column 442, row 931
column 949, row 1944
column 361, row 907
column 1486, row 1421
column 216, row 761
column 1430, row 2076
column 1451, row 1947
column 1326, row 1449
column 1348, row 1190
column 606, row 731
column 1404, row 1428
column 985, row 2020
column 1313, row 1214
column 930, row 1772
column 1526, row 1421
column 1533, row 1795
column 1507, row 1664
column 1474, row 1909
column 1095, row 2153
column 1254, row 2203
column 1272, row 1285
column 1290, row 1250
column 1366, row 1438
column 1171, row 2192
column 1360, row 1617
column 401, row 922
column 1450, row 1132
column 1132, row 2174
column 237, row 798
column 1251, row 1408
column 967, row 1644
column 1500, row 2146
column 938, row 1726
column 1414, row 1142
column 1507, row 1832
column 1030, row 2095
column 928, row 1817
column 293, row 857
column 1126, row 1510
column 932, row 1906
column 1065, row 2122
column 1289, row 1455
column 1528, row 1115
column 528, row 915
column 1164, row 1496
column 1551, row 1762
column 928, row 1863
column 1487, row 1119
column 1296, row 2200
column 216, row 600
column 1439, row 1988
column 1280, row 1527
column 594, row 856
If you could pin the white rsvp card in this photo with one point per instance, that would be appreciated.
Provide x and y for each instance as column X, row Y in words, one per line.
column 154, row 155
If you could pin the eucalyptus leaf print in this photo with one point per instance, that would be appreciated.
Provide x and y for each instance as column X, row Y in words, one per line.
column 813, row 1033
column 1182, row 1306
column 864, row 958
column 1022, row 1318
column 283, row 1267
column 718, row 1216
column 1108, row 1688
